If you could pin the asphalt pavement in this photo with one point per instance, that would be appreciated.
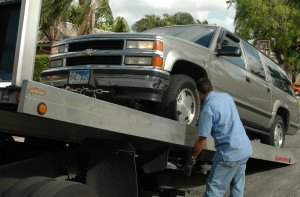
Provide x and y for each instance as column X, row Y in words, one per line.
column 266, row 179
column 263, row 179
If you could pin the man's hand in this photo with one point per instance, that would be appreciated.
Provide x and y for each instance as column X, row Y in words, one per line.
column 187, row 168
column 199, row 145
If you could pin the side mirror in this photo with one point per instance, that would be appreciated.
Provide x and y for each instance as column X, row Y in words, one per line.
column 229, row 51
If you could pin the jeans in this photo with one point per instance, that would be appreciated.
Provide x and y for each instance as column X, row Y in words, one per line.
column 223, row 174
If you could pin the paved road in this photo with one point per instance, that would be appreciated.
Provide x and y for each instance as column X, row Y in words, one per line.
column 264, row 179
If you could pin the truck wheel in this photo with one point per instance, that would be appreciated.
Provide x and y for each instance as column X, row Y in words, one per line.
column 63, row 189
column 277, row 133
column 25, row 187
column 181, row 101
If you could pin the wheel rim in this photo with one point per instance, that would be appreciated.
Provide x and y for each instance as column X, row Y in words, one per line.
column 186, row 106
column 278, row 135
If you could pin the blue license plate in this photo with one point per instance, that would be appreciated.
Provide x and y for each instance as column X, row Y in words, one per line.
column 79, row 76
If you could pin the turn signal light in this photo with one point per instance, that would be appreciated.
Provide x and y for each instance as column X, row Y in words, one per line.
column 157, row 61
column 42, row 108
column 158, row 45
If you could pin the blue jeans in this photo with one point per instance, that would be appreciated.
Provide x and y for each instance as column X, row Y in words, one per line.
column 223, row 174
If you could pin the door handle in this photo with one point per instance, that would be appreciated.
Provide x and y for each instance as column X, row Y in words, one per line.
column 268, row 89
column 248, row 79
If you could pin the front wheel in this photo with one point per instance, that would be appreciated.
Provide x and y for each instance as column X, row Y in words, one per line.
column 277, row 133
column 181, row 101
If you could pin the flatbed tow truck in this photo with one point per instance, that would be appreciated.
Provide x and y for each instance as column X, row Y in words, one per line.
column 74, row 145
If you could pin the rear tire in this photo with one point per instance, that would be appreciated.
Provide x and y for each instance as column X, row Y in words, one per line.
column 277, row 133
column 25, row 187
column 181, row 101
column 63, row 189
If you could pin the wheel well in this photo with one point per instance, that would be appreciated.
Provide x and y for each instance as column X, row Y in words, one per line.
column 188, row 68
column 284, row 114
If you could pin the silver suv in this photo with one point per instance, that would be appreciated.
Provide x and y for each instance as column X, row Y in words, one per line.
column 155, row 71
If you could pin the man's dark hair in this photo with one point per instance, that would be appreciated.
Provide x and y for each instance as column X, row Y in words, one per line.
column 204, row 85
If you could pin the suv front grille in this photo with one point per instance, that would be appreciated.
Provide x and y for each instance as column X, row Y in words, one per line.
column 97, row 45
column 94, row 60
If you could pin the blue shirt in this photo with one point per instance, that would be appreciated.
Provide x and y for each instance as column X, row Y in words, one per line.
column 220, row 119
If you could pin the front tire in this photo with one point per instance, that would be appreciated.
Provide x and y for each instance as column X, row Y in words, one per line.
column 181, row 101
column 277, row 133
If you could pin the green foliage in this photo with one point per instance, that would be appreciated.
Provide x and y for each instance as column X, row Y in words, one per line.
column 148, row 22
column 295, row 3
column 53, row 12
column 41, row 63
column 273, row 20
column 152, row 21
column 120, row 25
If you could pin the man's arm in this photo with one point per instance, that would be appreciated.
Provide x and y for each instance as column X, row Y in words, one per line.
column 199, row 145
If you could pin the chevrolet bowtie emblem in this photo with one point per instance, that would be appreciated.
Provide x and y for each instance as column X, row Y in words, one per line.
column 89, row 52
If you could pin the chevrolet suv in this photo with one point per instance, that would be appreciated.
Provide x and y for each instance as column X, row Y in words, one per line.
column 156, row 71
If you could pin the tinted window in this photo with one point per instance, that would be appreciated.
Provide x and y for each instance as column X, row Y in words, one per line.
column 230, row 41
column 276, row 78
column 201, row 35
column 279, row 79
column 254, row 61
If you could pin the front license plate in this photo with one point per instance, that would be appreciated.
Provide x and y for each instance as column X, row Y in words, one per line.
column 79, row 76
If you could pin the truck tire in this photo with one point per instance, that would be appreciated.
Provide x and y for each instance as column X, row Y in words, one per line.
column 25, row 187
column 277, row 133
column 181, row 101
column 63, row 189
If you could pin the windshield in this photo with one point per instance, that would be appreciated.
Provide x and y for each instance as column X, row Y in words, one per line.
column 198, row 34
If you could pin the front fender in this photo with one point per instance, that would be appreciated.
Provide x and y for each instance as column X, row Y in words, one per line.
column 174, row 56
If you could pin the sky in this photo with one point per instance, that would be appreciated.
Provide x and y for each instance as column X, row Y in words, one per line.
column 214, row 11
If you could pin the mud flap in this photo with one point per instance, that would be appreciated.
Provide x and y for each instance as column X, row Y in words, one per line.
column 112, row 170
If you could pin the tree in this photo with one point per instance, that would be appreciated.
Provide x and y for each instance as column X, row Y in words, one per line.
column 148, row 22
column 272, row 20
column 53, row 12
column 152, row 21
column 294, row 3
column 120, row 25
column 183, row 18
column 88, row 17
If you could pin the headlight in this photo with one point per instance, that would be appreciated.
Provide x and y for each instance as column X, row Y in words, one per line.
column 146, row 61
column 57, row 49
column 56, row 63
column 139, row 44
column 145, row 44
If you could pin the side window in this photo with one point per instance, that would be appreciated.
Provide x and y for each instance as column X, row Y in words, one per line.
column 276, row 78
column 280, row 81
column 239, row 61
column 287, row 86
column 254, row 61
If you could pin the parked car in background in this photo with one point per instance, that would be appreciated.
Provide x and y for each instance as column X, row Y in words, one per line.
column 159, row 68
column 296, row 87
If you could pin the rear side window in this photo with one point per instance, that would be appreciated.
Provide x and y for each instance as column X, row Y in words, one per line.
column 254, row 61
column 276, row 78
column 280, row 80
column 228, row 41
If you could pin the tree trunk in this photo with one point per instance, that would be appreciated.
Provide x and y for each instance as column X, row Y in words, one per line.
column 288, row 69
column 88, row 23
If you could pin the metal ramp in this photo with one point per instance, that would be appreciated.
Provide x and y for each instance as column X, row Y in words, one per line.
column 71, row 117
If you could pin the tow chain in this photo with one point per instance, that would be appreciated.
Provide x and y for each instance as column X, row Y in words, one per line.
column 84, row 91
